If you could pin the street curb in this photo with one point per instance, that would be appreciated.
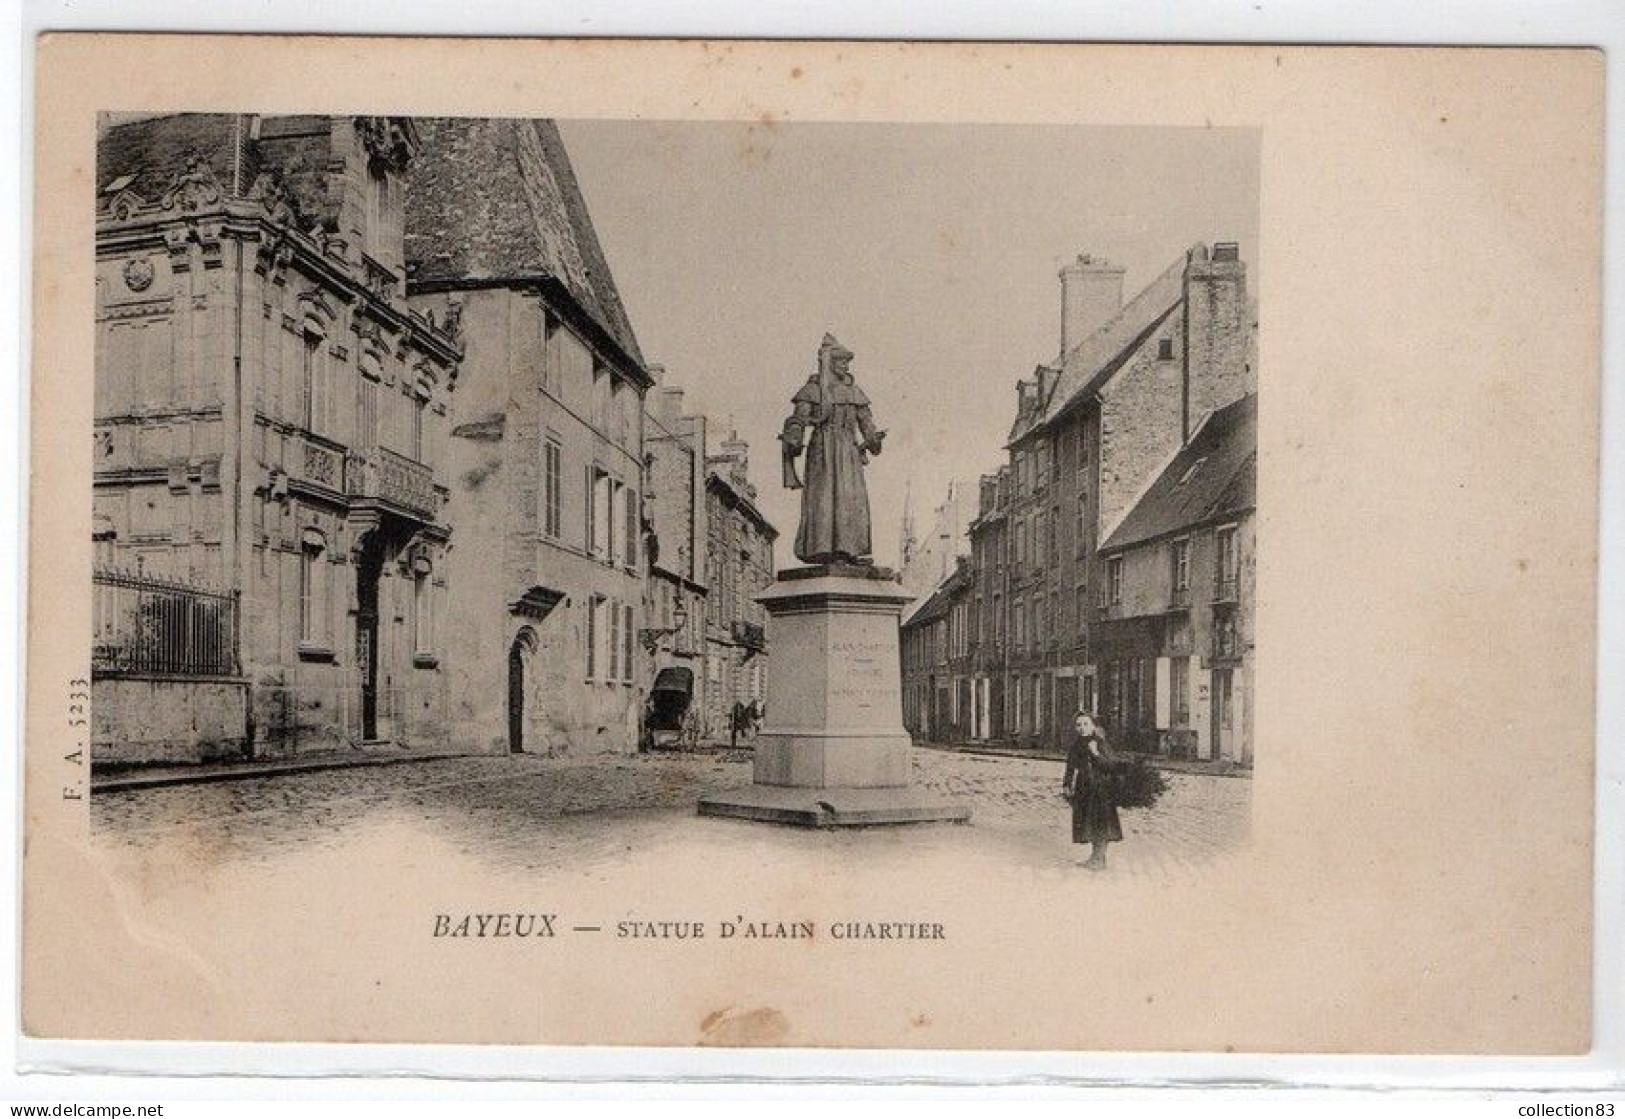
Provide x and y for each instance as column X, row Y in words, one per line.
column 135, row 781
column 1190, row 769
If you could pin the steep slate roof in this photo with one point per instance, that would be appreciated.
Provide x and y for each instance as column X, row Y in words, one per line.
column 1086, row 368
column 1226, row 481
column 1092, row 362
column 152, row 152
column 497, row 200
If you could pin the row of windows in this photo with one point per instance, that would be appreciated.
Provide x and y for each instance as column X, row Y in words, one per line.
column 1037, row 622
column 577, row 377
column 382, row 415
column 1225, row 568
column 739, row 563
column 611, row 517
column 1035, row 540
column 1035, row 466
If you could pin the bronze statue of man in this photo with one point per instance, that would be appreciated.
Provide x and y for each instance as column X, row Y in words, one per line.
column 833, row 421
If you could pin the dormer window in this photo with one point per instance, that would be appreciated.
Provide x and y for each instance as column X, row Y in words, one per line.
column 1165, row 349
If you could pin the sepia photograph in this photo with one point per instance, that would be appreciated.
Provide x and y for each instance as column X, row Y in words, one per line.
column 585, row 550
column 420, row 489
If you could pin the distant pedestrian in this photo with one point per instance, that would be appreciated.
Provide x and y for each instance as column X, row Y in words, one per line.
column 1090, row 770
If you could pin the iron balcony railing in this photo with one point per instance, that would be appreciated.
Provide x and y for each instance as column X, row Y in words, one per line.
column 1224, row 589
column 161, row 626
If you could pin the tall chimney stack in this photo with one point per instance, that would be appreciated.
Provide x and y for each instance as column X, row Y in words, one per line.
column 1217, row 371
column 1091, row 293
column 670, row 406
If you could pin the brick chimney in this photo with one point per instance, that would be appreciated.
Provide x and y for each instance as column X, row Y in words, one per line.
column 1217, row 371
column 1091, row 293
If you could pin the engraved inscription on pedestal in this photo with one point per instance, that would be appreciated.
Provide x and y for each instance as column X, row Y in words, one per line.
column 833, row 750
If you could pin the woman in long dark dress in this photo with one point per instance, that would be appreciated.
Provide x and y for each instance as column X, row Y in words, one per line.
column 1090, row 765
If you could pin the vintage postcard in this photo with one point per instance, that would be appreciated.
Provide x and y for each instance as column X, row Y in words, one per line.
column 813, row 544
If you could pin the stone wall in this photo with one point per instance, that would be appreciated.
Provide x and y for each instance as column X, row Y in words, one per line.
column 1140, row 424
column 148, row 720
column 508, row 403
column 1218, row 332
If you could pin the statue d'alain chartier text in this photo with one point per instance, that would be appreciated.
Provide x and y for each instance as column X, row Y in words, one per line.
column 833, row 423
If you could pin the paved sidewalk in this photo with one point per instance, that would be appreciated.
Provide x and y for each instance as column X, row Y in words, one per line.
column 126, row 779
column 1170, row 765
column 533, row 813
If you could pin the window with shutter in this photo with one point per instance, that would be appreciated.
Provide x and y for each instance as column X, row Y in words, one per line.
column 626, row 643
column 590, row 534
column 629, row 556
column 552, row 479
column 592, row 637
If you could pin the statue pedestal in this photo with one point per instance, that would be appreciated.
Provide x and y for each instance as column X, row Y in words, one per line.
column 832, row 751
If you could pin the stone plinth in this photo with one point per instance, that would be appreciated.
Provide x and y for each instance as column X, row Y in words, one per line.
column 833, row 751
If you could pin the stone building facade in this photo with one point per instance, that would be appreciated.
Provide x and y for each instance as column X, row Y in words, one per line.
column 939, row 670
column 369, row 443
column 269, row 416
column 1093, row 429
column 678, row 536
column 545, row 457
column 739, row 565
column 1178, row 585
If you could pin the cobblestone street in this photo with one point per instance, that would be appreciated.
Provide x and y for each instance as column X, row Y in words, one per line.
column 528, row 812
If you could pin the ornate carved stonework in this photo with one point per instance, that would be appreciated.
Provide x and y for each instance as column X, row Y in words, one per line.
column 126, row 205
column 138, row 274
column 278, row 203
column 140, row 308
column 453, row 326
column 388, row 140
column 273, row 254
column 179, row 241
column 195, row 187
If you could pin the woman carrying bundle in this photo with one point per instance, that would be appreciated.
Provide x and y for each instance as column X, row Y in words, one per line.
column 1089, row 785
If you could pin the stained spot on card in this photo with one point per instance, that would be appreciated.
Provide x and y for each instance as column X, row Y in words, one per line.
column 732, row 1027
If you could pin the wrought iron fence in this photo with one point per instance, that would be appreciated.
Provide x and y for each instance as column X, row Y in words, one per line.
column 151, row 625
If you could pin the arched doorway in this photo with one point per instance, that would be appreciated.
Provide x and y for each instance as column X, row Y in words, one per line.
column 524, row 644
